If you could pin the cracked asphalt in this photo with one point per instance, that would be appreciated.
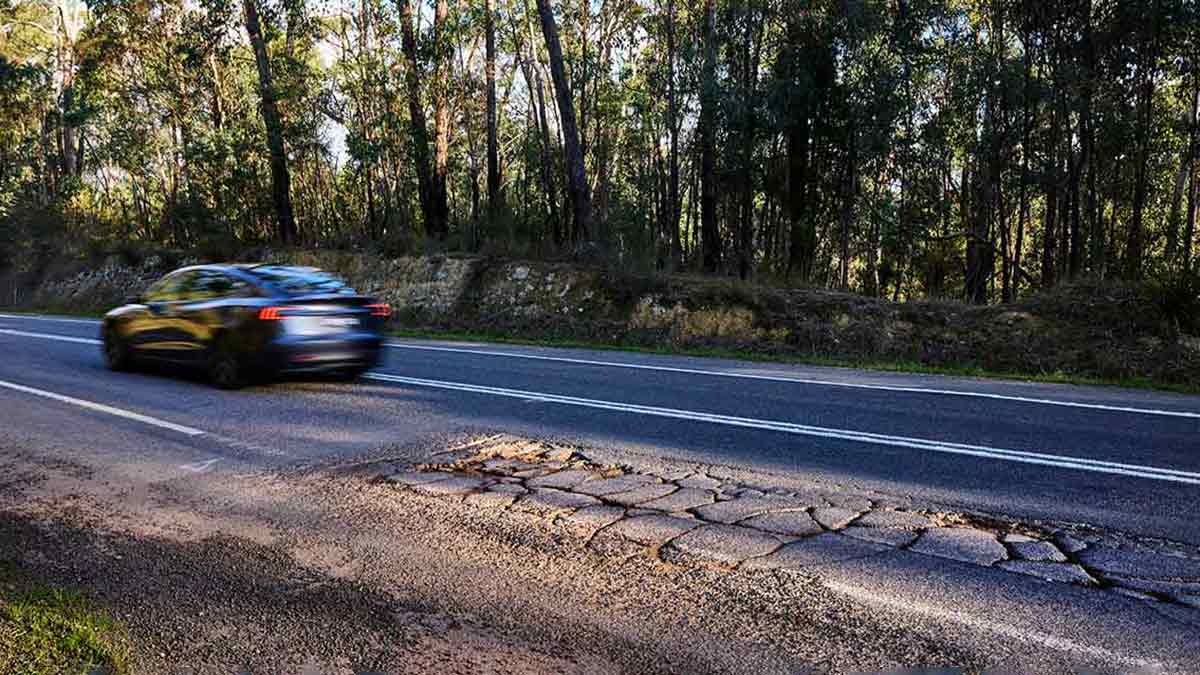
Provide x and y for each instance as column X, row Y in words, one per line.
column 270, row 541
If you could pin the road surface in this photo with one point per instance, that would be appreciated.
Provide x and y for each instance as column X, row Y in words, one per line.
column 1123, row 461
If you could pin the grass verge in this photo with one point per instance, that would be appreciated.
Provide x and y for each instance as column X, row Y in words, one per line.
column 50, row 630
column 812, row 360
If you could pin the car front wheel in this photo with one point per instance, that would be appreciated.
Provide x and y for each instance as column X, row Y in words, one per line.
column 116, row 352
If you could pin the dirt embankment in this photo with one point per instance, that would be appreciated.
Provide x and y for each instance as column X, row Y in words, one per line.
column 1084, row 330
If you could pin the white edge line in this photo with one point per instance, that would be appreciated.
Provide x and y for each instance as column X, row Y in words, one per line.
column 1098, row 466
column 717, row 373
column 40, row 317
column 100, row 407
column 810, row 381
column 48, row 336
column 1061, row 461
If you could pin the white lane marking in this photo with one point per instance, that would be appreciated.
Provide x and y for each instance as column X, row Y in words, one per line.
column 100, row 407
column 48, row 336
column 908, row 606
column 38, row 317
column 1044, row 459
column 801, row 380
column 701, row 371
column 200, row 467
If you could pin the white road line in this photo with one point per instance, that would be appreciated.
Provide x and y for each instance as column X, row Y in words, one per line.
column 801, row 380
column 37, row 317
column 100, row 407
column 932, row 391
column 48, row 336
column 1024, row 457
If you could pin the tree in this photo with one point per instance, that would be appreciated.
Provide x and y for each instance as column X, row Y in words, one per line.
column 710, row 236
column 433, row 199
column 495, row 197
column 281, row 182
column 580, row 191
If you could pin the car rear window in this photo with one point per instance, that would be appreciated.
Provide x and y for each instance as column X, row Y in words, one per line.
column 300, row 280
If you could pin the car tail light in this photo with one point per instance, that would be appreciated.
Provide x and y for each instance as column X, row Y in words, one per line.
column 380, row 309
column 272, row 313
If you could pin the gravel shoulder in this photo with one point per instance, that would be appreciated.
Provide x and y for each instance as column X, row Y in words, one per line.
column 329, row 570
column 497, row 554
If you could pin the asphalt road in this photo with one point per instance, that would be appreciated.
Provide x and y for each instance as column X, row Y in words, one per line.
column 1119, row 459
column 1122, row 460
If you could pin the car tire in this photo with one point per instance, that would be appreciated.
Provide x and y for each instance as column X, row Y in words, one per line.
column 351, row 374
column 116, row 352
column 225, row 368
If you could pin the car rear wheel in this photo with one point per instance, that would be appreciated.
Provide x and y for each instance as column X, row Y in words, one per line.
column 351, row 374
column 225, row 367
column 116, row 352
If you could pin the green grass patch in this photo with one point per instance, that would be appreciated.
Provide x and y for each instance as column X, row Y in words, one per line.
column 50, row 630
column 813, row 360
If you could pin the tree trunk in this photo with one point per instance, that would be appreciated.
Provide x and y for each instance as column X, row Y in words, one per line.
column 710, row 236
column 1050, row 221
column 673, row 134
column 581, row 199
column 1135, row 245
column 1189, row 236
column 495, row 198
column 441, row 118
column 281, row 190
column 434, row 222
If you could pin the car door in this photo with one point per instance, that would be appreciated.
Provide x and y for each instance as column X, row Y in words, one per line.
column 145, row 329
column 164, row 333
column 202, row 312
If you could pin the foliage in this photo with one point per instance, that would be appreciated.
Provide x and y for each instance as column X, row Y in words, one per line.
column 979, row 149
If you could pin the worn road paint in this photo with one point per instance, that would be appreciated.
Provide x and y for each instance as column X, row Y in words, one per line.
column 200, row 467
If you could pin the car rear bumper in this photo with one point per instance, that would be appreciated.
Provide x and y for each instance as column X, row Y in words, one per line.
column 322, row 354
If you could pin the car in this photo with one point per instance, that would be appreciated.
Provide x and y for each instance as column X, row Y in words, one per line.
column 241, row 321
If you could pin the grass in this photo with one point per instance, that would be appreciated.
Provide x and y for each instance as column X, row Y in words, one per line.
column 50, row 630
column 748, row 355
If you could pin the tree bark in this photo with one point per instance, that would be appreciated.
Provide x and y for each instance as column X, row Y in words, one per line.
column 1189, row 237
column 495, row 198
column 281, row 190
column 673, row 136
column 435, row 223
column 710, row 236
column 581, row 199
column 1135, row 245
column 441, row 118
